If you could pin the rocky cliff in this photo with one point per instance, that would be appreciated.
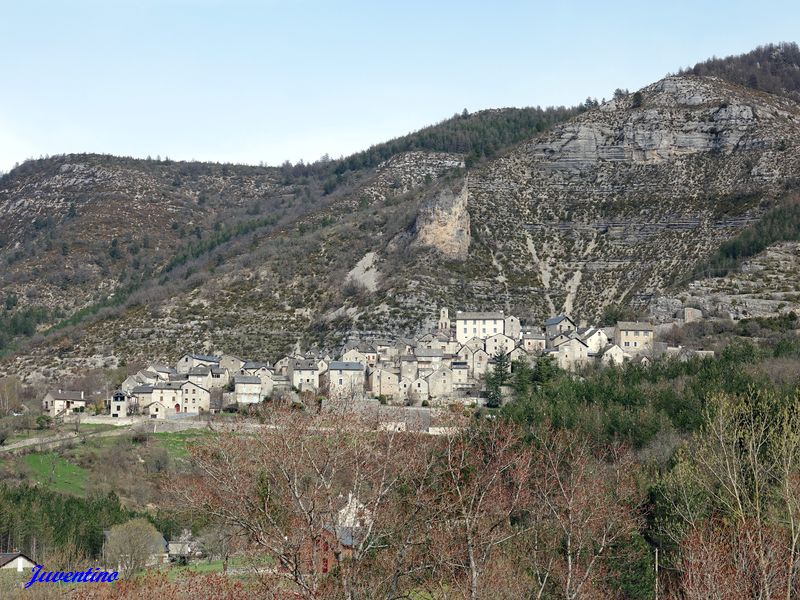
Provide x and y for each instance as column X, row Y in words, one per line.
column 443, row 223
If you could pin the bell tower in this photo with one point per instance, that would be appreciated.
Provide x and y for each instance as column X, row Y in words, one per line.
column 444, row 321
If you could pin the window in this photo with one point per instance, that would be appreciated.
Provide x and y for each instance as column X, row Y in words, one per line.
column 627, row 343
column 340, row 381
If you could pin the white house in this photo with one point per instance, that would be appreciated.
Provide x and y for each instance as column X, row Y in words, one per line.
column 612, row 355
column 478, row 324
column 595, row 338
column 121, row 404
column 58, row 402
column 247, row 389
column 16, row 561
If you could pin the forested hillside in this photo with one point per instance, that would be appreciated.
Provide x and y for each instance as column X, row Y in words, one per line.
column 773, row 68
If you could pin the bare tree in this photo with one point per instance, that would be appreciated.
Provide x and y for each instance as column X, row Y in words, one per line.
column 583, row 504
column 131, row 545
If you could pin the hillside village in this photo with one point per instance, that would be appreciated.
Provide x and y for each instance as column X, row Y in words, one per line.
column 441, row 367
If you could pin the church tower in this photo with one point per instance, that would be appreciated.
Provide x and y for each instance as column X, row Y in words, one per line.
column 444, row 321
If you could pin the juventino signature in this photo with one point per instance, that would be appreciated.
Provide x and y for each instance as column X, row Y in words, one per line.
column 88, row 576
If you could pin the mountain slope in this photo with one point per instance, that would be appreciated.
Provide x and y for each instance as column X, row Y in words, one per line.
column 611, row 206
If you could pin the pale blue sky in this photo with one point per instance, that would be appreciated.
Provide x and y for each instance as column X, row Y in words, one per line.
column 247, row 81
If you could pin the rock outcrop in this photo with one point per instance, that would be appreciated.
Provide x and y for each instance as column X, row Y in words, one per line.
column 443, row 223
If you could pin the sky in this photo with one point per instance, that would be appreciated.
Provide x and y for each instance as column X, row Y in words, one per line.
column 249, row 82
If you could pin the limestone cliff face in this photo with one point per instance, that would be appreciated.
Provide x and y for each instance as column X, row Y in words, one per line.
column 443, row 223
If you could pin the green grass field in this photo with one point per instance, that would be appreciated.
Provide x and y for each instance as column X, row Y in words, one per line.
column 175, row 443
column 58, row 474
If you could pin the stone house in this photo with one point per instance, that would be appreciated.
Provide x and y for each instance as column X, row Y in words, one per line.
column 418, row 390
column 187, row 362
column 428, row 359
column 480, row 363
column 634, row 337
column 560, row 324
column 231, row 363
column 460, row 370
column 281, row 366
column 63, row 402
column 148, row 377
column 475, row 343
column 559, row 339
column 304, row 375
column 464, row 354
column 499, row 343
column 572, row 354
column 169, row 394
column 370, row 354
column 512, row 327
column 404, row 387
column 612, row 355
column 440, row 383
column 478, row 324
column 143, row 395
column 534, row 342
column 182, row 397
column 162, row 371
column 156, row 410
column 344, row 378
column 355, row 355
column 131, row 382
column 247, row 389
column 595, row 338
column 385, row 383
column 220, row 377
column 195, row 398
column 520, row 354
column 200, row 375
column 252, row 367
column 409, row 369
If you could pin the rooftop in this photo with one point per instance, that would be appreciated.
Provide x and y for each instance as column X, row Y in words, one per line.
column 338, row 365
column 637, row 325
column 460, row 316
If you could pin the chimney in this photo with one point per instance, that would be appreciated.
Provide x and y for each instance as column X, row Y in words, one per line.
column 81, row 394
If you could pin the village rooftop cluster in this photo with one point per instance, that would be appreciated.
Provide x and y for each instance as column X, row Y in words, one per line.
column 441, row 367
